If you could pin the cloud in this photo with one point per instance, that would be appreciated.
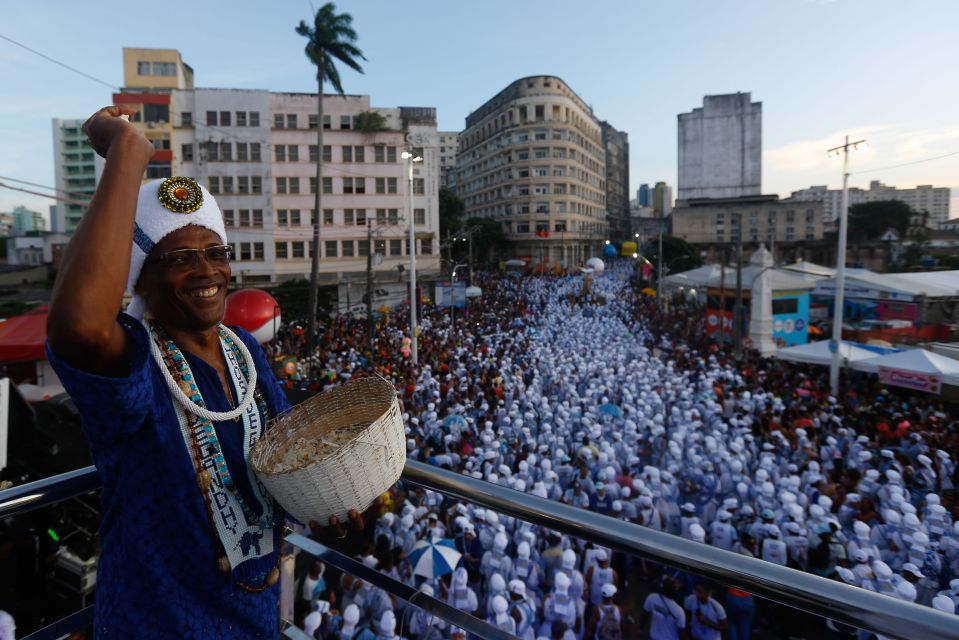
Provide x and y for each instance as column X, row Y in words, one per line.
column 808, row 155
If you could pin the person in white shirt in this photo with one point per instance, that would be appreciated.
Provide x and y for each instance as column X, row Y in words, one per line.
column 774, row 549
column 662, row 615
column 707, row 618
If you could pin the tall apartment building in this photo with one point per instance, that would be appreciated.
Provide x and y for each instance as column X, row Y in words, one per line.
column 27, row 220
column 643, row 197
column 720, row 148
column 533, row 158
column 616, row 144
column 662, row 199
column 76, row 169
column 449, row 146
column 924, row 198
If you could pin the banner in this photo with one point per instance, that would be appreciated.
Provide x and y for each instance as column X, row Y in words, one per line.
column 927, row 382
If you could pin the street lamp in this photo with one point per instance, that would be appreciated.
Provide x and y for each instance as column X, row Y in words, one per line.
column 839, row 301
column 414, row 328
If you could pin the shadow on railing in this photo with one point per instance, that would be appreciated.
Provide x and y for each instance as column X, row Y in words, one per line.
column 819, row 596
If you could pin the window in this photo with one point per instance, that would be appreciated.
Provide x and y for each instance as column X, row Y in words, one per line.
column 224, row 118
column 381, row 185
column 255, row 151
column 213, row 184
column 359, row 154
column 391, row 185
column 391, row 154
column 542, row 225
column 294, row 185
column 393, row 216
column 258, row 217
column 381, row 217
column 419, row 216
column 327, row 185
column 298, row 251
column 186, row 152
column 311, row 121
column 245, row 252
column 228, row 218
column 360, row 185
column 347, row 185
column 226, row 151
column 164, row 69
column 282, row 250
column 363, row 248
column 330, row 248
column 379, row 154
column 143, row 68
column 327, row 153
column 293, row 152
column 361, row 217
column 347, row 248
column 312, row 184
column 294, row 217
column 396, row 247
column 279, row 153
column 560, row 226
column 426, row 246
column 347, row 154
column 346, row 122
column 243, row 185
column 186, row 119
column 291, row 121
column 785, row 305
column 256, row 184
column 348, row 217
column 282, row 217
column 281, row 185
column 379, row 246
column 314, row 156
column 211, row 118
column 327, row 216
column 278, row 121
column 241, row 118
column 242, row 151
column 522, row 227
column 258, row 251
column 326, row 122
column 244, row 217
column 227, row 184
column 419, row 186
column 254, row 118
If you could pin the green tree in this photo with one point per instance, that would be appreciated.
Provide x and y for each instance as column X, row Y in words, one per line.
column 293, row 298
column 874, row 218
column 330, row 39
column 679, row 255
column 452, row 211
column 371, row 122
column 489, row 239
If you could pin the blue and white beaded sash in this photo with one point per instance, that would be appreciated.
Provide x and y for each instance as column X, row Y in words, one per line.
column 242, row 540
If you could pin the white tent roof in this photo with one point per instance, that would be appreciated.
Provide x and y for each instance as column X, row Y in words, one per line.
column 915, row 361
column 780, row 278
column 895, row 286
column 810, row 268
column 697, row 277
column 819, row 353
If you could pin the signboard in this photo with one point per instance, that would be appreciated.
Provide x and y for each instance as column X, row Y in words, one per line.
column 886, row 310
column 927, row 382
column 454, row 295
column 719, row 323
column 790, row 318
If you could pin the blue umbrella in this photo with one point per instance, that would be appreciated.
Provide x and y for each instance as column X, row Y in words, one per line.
column 454, row 419
column 611, row 409
column 434, row 558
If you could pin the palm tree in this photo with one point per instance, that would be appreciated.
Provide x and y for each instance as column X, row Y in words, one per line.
column 330, row 39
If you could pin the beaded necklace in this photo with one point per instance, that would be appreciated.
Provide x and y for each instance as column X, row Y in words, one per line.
column 200, row 427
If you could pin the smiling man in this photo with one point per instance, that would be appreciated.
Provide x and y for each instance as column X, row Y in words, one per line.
column 170, row 401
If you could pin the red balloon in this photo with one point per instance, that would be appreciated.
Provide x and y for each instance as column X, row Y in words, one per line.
column 254, row 310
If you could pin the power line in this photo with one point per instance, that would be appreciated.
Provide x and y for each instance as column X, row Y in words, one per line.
column 43, row 195
column 43, row 186
column 57, row 62
column 905, row 164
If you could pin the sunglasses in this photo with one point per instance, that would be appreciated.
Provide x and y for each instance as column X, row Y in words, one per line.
column 184, row 259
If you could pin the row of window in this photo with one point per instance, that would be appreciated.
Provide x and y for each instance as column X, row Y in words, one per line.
column 250, row 152
column 294, row 218
column 291, row 121
column 381, row 186
column 145, row 68
column 224, row 118
column 300, row 249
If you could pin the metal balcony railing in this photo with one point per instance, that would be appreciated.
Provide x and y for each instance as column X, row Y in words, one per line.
column 819, row 596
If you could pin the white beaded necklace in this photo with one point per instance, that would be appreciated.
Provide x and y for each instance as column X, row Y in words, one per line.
column 194, row 408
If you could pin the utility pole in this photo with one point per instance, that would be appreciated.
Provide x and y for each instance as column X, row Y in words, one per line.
column 414, row 326
column 839, row 300
column 369, row 284
column 738, row 313
column 659, row 278
column 722, row 294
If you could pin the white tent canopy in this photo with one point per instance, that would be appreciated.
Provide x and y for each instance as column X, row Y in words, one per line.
column 914, row 361
column 819, row 353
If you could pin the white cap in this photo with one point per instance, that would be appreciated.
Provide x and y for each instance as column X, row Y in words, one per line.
column 608, row 590
column 499, row 604
column 601, row 556
column 517, row 587
column 905, row 591
column 944, row 603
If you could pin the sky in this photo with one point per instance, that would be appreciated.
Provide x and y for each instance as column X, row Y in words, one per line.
column 875, row 69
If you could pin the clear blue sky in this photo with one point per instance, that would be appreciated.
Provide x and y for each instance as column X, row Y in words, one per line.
column 881, row 69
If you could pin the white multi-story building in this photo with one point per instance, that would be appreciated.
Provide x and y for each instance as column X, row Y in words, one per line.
column 924, row 198
column 449, row 146
column 256, row 151
column 76, row 169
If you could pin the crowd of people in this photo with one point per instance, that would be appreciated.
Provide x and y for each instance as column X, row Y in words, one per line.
column 591, row 394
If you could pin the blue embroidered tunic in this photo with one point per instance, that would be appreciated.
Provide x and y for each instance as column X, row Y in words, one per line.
column 157, row 575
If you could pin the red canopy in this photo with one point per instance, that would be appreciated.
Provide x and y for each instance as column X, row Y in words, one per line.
column 22, row 337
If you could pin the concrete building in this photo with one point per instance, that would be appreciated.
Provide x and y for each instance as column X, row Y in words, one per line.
column 662, row 199
column 720, row 148
column 617, row 182
column 533, row 158
column 256, row 151
column 643, row 195
column 26, row 221
column 779, row 224
column 924, row 198
column 449, row 147
column 76, row 169
column 6, row 224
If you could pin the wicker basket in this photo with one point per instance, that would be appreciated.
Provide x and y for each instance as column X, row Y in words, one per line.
column 335, row 452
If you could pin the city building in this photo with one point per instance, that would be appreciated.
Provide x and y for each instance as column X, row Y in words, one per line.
column 6, row 224
column 720, row 148
column 449, row 147
column 662, row 199
column 26, row 221
column 533, row 158
column 782, row 225
column 643, row 195
column 924, row 198
column 617, row 182
column 76, row 169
